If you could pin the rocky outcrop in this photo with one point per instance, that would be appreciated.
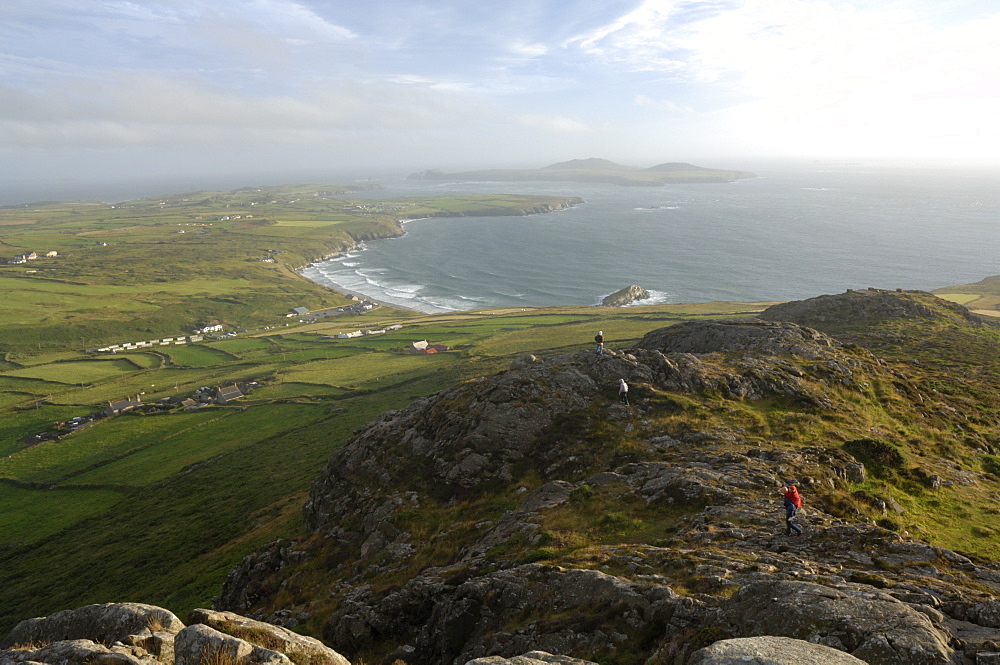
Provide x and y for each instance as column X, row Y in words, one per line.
column 136, row 634
column 867, row 623
column 626, row 296
column 770, row 651
column 871, row 305
column 199, row 645
column 300, row 648
column 463, row 500
column 106, row 623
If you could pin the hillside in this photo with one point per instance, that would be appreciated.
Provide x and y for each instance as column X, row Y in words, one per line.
column 597, row 170
column 533, row 510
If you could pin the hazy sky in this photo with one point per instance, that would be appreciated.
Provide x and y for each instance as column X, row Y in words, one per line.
column 110, row 88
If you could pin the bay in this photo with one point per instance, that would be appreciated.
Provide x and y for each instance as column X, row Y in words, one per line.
column 796, row 231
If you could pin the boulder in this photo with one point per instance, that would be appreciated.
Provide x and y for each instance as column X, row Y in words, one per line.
column 770, row 650
column 300, row 648
column 106, row 623
column 864, row 622
column 530, row 658
column 200, row 644
column 77, row 652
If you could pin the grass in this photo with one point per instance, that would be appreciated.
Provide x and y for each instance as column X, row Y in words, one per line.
column 197, row 355
column 30, row 515
column 79, row 371
column 229, row 430
column 52, row 461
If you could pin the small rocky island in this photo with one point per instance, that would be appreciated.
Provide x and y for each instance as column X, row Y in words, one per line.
column 599, row 171
column 626, row 296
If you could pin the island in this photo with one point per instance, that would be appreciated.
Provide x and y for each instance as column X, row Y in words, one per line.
column 597, row 170
column 626, row 296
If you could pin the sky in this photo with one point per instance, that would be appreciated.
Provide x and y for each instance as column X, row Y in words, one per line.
column 106, row 89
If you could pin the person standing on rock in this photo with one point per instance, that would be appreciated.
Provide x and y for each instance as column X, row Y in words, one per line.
column 599, row 338
column 623, row 391
column 793, row 502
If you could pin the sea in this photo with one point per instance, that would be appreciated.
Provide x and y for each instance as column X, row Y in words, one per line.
column 793, row 232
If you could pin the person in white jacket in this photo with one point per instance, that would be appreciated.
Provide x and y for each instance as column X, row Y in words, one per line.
column 623, row 390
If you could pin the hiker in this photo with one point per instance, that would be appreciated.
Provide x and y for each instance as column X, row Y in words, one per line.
column 623, row 391
column 792, row 504
column 599, row 338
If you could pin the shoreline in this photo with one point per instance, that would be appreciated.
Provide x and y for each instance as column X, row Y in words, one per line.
column 349, row 293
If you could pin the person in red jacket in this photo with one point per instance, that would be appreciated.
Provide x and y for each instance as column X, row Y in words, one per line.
column 792, row 504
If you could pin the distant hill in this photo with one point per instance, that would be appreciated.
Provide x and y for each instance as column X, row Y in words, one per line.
column 595, row 169
column 590, row 164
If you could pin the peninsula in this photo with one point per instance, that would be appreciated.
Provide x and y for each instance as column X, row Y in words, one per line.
column 598, row 171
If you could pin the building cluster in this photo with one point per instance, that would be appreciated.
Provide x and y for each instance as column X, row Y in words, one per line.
column 359, row 333
column 423, row 347
column 198, row 336
column 207, row 395
column 31, row 256
column 201, row 397
column 166, row 341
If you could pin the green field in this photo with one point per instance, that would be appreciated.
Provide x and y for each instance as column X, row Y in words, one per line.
column 29, row 515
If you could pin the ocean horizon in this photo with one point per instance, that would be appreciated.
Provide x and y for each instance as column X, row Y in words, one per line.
column 791, row 233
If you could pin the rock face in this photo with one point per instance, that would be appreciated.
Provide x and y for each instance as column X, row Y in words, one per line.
column 136, row 634
column 626, row 296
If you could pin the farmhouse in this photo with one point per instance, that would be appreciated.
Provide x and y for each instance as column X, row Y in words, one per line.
column 298, row 311
column 423, row 347
column 227, row 394
column 114, row 408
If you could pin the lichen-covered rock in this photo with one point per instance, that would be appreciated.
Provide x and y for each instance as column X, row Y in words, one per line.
column 299, row 648
column 866, row 623
column 530, row 658
column 106, row 623
column 199, row 644
column 768, row 650
column 76, row 652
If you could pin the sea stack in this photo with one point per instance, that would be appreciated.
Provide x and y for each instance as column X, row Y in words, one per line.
column 625, row 296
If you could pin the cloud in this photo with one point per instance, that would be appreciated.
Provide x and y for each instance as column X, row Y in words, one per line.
column 828, row 75
column 661, row 104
